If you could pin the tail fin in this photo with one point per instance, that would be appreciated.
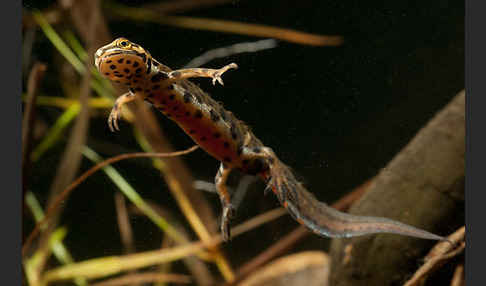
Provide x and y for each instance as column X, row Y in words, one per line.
column 325, row 220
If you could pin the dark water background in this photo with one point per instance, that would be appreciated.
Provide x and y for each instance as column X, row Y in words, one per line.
column 337, row 115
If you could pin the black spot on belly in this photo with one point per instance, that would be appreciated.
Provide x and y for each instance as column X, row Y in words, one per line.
column 271, row 161
column 187, row 97
column 198, row 98
column 129, row 62
column 135, row 64
column 222, row 113
column 119, row 75
column 234, row 135
column 226, row 145
column 171, row 97
column 139, row 70
column 217, row 135
column 120, row 61
column 214, row 116
column 149, row 65
column 126, row 70
column 198, row 114
column 108, row 61
column 255, row 167
column 158, row 77
column 112, row 67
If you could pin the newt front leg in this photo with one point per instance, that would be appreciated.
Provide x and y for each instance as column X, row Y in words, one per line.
column 215, row 74
column 115, row 113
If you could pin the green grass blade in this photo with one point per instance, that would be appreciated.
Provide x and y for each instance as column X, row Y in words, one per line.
column 55, row 132
column 133, row 196
column 58, row 42
column 101, row 86
column 55, row 241
column 75, row 45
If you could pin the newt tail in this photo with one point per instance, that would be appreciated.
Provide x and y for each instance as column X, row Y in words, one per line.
column 229, row 140
column 325, row 220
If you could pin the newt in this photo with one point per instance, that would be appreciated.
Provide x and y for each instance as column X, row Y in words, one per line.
column 229, row 140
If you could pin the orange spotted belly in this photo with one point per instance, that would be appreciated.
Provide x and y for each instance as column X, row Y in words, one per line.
column 214, row 137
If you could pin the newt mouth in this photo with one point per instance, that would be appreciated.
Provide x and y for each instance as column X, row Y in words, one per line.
column 101, row 56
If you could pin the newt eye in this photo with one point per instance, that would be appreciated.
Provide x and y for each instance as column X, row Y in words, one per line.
column 124, row 44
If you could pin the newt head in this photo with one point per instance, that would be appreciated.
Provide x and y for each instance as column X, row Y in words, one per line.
column 123, row 61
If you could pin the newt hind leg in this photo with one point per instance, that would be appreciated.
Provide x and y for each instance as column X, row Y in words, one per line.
column 228, row 210
column 278, row 175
